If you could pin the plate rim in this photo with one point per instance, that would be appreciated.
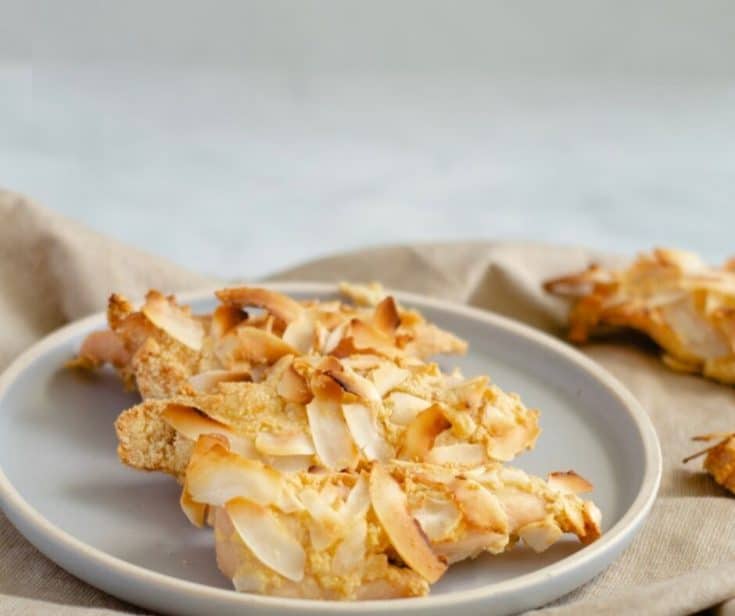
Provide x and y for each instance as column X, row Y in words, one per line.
column 22, row 514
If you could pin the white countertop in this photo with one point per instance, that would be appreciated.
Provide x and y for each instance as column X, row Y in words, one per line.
column 241, row 169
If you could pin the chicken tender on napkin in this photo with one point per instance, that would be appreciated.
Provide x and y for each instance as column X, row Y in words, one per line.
column 685, row 306
column 719, row 459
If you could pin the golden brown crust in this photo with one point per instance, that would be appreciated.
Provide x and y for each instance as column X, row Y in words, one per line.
column 162, row 347
column 331, row 535
column 683, row 305
column 720, row 463
column 162, row 368
column 719, row 458
column 147, row 442
column 281, row 306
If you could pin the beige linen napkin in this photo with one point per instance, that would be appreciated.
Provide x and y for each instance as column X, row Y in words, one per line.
column 52, row 271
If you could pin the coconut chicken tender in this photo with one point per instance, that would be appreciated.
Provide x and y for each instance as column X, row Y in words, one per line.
column 719, row 459
column 385, row 532
column 337, row 414
column 685, row 306
column 390, row 530
column 163, row 350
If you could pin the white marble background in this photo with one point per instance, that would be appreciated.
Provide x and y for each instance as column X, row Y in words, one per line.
column 241, row 137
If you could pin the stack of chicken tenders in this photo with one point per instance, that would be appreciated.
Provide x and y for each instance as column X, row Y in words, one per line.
column 332, row 459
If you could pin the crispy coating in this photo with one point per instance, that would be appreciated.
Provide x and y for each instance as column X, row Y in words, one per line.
column 685, row 306
column 335, row 542
column 147, row 442
column 477, row 422
column 719, row 460
column 160, row 347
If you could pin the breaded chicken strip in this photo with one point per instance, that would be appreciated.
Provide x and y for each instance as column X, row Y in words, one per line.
column 388, row 531
column 685, row 306
column 337, row 414
column 158, row 348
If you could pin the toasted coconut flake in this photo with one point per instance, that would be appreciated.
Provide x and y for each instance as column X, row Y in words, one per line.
column 513, row 476
column 256, row 345
column 205, row 443
column 386, row 317
column 569, row 482
column 326, row 525
column 192, row 424
column 390, row 506
column 406, row 407
column 347, row 348
column 438, row 518
column 575, row 519
column 172, row 319
column 363, row 426
column 334, row 337
column 331, row 435
column 507, row 446
column 227, row 351
column 422, row 432
column 289, row 464
column 300, row 333
column 575, row 285
column 323, row 386
column 720, row 460
column 320, row 336
column 427, row 339
column 388, row 376
column 480, row 506
column 363, row 362
column 284, row 444
column 349, row 380
column 683, row 259
column 293, row 387
column 363, row 294
column 279, row 305
column 465, row 454
column 219, row 476
column 592, row 521
column 196, row 512
column 429, row 473
column 268, row 539
column 365, row 336
column 540, row 536
column 521, row 508
column 358, row 500
column 205, row 382
column 471, row 392
column 351, row 550
column 225, row 318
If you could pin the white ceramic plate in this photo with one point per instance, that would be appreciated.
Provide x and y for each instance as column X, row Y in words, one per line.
column 121, row 530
